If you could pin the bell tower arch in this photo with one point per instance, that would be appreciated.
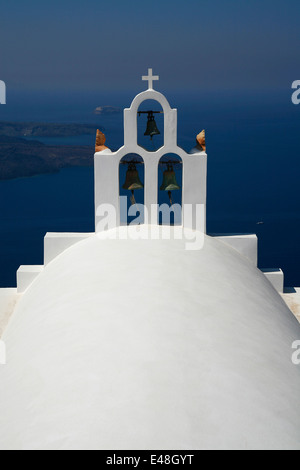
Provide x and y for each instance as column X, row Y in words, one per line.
column 170, row 118
column 131, row 179
column 194, row 167
column 170, row 189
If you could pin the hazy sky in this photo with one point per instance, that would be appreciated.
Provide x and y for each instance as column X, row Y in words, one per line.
column 191, row 44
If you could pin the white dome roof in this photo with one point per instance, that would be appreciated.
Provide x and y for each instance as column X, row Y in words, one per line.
column 123, row 344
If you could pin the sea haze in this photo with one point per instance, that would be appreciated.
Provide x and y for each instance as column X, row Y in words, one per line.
column 253, row 172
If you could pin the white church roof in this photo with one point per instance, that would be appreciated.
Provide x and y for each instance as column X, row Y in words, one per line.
column 141, row 344
column 125, row 343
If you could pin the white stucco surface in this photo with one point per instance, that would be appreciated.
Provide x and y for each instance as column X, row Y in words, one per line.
column 8, row 300
column 26, row 274
column 291, row 296
column 246, row 244
column 55, row 243
column 140, row 344
column 276, row 278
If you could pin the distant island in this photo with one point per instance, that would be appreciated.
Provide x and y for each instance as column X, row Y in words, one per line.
column 106, row 110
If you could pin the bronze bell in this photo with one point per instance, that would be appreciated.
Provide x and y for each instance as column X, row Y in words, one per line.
column 151, row 126
column 169, row 182
column 132, row 181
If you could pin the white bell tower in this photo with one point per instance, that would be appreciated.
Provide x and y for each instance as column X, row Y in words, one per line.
column 194, row 166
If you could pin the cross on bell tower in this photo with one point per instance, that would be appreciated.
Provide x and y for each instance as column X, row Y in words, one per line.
column 150, row 78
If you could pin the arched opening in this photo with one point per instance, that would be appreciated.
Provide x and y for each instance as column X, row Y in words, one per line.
column 131, row 189
column 170, row 190
column 150, row 121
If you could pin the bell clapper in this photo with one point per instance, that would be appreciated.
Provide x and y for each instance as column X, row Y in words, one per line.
column 170, row 197
column 132, row 198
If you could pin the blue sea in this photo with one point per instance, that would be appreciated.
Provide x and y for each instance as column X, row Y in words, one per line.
column 253, row 171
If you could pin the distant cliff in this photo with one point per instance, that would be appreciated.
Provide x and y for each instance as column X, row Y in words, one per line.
column 21, row 158
column 38, row 129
